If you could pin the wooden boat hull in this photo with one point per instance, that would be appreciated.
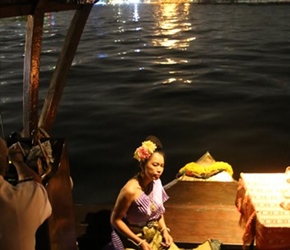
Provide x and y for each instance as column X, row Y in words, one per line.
column 198, row 211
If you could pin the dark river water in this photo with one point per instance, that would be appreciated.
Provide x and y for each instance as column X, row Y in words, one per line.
column 200, row 77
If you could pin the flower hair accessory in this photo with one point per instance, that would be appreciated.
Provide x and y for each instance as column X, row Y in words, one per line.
column 145, row 150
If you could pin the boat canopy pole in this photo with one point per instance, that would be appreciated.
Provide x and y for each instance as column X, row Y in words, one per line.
column 35, row 11
column 31, row 68
column 58, row 80
column 58, row 232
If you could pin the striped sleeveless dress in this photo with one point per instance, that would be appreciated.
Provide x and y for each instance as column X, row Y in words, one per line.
column 145, row 209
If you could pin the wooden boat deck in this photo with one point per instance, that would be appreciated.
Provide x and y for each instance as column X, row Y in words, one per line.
column 200, row 210
column 196, row 211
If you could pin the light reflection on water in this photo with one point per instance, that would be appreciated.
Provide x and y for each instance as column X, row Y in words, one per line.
column 202, row 78
column 171, row 25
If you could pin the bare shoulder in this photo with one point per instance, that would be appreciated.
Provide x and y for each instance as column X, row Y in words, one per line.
column 131, row 189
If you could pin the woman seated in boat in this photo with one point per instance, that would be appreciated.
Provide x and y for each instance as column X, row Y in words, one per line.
column 138, row 216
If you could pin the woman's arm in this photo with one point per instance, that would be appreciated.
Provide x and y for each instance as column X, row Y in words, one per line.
column 164, row 230
column 124, row 200
column 162, row 224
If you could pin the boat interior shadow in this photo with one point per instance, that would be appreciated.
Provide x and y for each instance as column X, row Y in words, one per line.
column 98, row 230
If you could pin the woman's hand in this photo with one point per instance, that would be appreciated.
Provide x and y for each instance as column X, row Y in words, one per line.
column 145, row 246
column 167, row 239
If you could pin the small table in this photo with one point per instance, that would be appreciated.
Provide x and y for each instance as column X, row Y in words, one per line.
column 263, row 219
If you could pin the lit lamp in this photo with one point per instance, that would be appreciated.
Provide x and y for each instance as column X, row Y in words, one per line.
column 286, row 190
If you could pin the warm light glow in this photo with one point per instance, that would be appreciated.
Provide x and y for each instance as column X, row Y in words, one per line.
column 266, row 194
column 170, row 32
column 168, row 22
column 171, row 35
column 104, row 2
column 172, row 80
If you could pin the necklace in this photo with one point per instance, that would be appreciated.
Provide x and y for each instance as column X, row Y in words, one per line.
column 148, row 191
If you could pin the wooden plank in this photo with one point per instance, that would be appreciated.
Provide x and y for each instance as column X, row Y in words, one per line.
column 31, row 69
column 196, row 224
column 61, row 224
column 202, row 193
column 197, row 211
column 57, row 83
